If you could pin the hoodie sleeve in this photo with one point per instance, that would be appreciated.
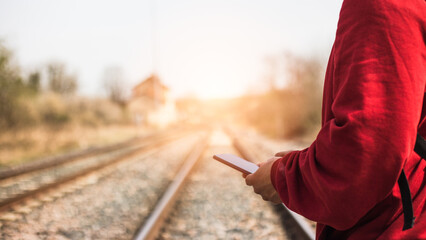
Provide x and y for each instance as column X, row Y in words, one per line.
column 373, row 97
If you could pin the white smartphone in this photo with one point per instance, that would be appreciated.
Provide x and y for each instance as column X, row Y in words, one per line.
column 236, row 162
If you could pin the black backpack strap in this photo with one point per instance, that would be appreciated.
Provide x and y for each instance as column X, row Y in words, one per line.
column 407, row 205
column 420, row 147
column 404, row 188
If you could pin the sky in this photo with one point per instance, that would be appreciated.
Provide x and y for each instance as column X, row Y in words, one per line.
column 206, row 48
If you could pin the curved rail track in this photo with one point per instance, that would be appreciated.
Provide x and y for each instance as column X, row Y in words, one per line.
column 153, row 224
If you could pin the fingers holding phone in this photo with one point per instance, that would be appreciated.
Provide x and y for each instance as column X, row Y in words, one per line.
column 261, row 182
column 256, row 175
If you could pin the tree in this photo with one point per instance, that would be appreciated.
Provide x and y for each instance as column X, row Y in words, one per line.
column 294, row 110
column 115, row 85
column 305, row 75
column 59, row 81
column 34, row 81
column 11, row 88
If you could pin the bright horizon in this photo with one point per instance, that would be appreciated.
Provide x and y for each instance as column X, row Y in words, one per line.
column 211, row 49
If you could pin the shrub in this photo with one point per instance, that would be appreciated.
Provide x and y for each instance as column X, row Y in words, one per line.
column 294, row 110
column 52, row 110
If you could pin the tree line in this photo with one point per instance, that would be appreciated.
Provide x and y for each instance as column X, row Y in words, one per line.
column 27, row 100
column 293, row 110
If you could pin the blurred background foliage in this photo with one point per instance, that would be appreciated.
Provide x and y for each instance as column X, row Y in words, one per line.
column 42, row 114
column 26, row 103
column 289, row 111
column 292, row 111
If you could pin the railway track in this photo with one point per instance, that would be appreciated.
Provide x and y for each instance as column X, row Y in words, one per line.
column 106, row 204
column 305, row 227
column 159, row 226
column 23, row 182
column 154, row 223
column 165, row 189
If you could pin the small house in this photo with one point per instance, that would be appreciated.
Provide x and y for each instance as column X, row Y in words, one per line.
column 151, row 103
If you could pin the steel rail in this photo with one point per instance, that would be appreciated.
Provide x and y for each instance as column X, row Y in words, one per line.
column 53, row 161
column 153, row 224
column 8, row 203
column 304, row 226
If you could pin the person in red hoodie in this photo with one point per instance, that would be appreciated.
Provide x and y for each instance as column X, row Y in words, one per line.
column 373, row 108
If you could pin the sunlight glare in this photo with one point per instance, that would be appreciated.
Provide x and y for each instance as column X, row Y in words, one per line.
column 219, row 138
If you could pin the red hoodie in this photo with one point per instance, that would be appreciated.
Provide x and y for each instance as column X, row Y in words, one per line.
column 372, row 109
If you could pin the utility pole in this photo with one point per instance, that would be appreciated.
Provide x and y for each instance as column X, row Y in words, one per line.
column 154, row 35
column 154, row 53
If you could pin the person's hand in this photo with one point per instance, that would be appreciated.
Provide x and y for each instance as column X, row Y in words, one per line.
column 261, row 181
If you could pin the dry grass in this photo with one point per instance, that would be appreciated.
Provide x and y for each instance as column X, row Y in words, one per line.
column 26, row 145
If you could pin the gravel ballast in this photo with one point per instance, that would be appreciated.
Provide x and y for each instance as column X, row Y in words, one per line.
column 217, row 204
column 108, row 205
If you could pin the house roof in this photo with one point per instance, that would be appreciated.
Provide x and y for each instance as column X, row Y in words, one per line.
column 149, row 83
column 150, row 87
